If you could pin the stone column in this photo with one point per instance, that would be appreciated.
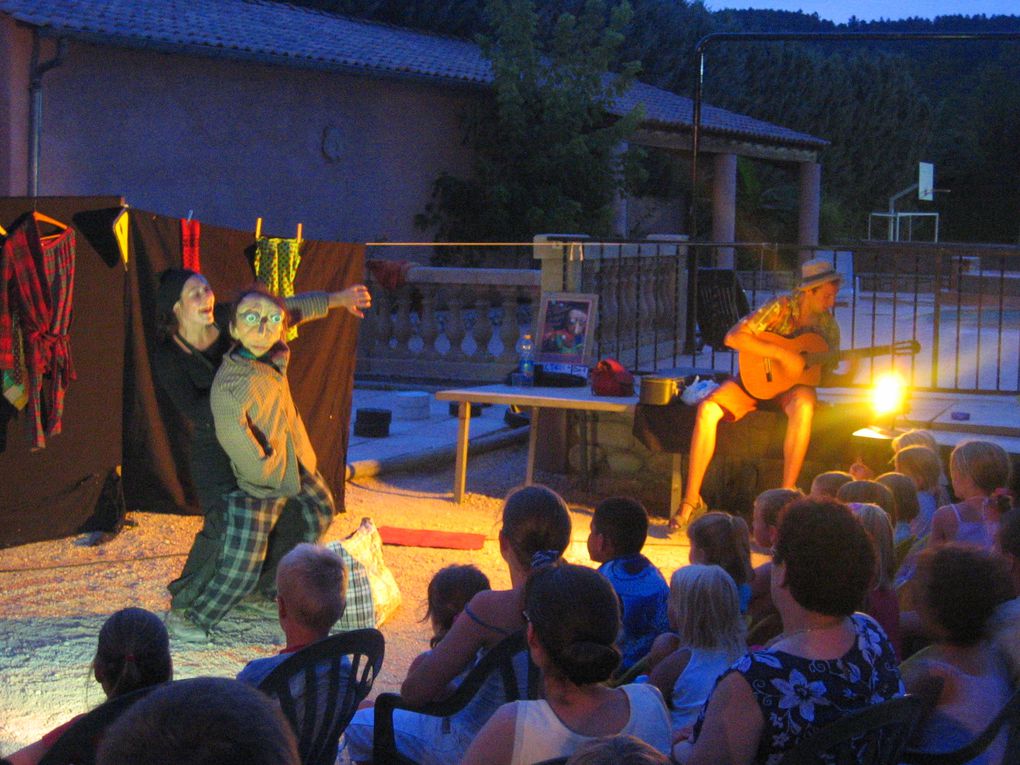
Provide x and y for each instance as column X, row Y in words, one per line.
column 724, row 207
column 810, row 206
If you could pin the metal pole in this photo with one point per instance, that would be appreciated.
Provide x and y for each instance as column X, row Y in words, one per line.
column 35, row 94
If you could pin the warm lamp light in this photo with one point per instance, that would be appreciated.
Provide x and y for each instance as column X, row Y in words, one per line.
column 888, row 398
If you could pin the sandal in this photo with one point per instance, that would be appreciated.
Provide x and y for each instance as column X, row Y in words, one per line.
column 677, row 521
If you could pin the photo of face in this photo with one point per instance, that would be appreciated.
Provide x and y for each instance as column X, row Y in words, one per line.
column 565, row 329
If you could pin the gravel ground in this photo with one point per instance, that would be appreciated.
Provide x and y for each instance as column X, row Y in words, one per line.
column 55, row 595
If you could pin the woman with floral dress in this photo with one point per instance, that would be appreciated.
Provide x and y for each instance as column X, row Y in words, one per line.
column 828, row 662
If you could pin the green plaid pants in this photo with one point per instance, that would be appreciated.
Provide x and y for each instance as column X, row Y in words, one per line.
column 250, row 525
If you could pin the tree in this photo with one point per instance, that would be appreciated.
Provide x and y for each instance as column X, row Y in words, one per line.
column 546, row 151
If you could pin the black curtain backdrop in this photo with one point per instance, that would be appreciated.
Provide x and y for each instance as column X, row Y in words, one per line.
column 49, row 493
column 112, row 413
column 321, row 373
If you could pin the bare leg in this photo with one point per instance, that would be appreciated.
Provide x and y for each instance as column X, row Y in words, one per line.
column 702, row 448
column 800, row 410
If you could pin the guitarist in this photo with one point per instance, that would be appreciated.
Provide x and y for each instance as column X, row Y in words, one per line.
column 807, row 309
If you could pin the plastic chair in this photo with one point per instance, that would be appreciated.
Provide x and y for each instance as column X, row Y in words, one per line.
column 1008, row 718
column 335, row 674
column 78, row 743
column 504, row 658
column 874, row 735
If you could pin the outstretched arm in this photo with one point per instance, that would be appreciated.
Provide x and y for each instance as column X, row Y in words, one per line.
column 356, row 299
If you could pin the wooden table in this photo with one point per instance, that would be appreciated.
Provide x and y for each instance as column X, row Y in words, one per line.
column 578, row 399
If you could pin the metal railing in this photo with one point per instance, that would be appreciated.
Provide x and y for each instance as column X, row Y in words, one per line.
column 961, row 303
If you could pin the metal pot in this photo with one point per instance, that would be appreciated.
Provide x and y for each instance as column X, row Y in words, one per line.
column 659, row 391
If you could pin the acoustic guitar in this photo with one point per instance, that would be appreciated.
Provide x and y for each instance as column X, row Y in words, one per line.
column 766, row 378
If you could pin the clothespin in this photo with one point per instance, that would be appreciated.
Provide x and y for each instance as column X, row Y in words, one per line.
column 3, row 231
column 299, row 233
column 258, row 228
column 190, row 213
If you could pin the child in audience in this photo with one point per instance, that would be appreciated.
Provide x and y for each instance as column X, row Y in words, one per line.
column 724, row 540
column 619, row 529
column 880, row 603
column 980, row 472
column 133, row 652
column 868, row 491
column 311, row 583
column 827, row 484
column 450, row 590
column 958, row 589
column 1006, row 624
column 708, row 636
column 905, row 504
column 201, row 721
column 764, row 524
column 923, row 466
column 617, row 750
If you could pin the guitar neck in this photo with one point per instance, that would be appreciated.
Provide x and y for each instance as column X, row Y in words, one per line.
column 829, row 357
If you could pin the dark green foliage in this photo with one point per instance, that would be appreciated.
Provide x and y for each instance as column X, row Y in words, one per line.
column 545, row 152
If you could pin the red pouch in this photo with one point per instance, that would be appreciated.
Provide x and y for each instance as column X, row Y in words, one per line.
column 609, row 378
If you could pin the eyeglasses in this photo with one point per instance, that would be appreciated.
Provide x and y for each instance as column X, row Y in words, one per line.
column 255, row 319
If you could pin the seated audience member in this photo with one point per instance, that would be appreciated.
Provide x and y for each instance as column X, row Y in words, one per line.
column 828, row 662
column 764, row 523
column 573, row 619
column 980, row 472
column 905, row 505
column 450, row 589
column 880, row 603
column 924, row 467
column 827, row 484
column 1006, row 623
column 536, row 529
column 868, row 491
column 617, row 750
column 311, row 585
column 133, row 652
column 958, row 589
column 707, row 637
column 723, row 539
column 619, row 528
column 203, row 721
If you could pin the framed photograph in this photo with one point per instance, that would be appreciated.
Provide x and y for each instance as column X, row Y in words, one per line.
column 565, row 331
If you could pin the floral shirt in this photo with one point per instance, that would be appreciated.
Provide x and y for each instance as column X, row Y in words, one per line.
column 780, row 316
column 797, row 695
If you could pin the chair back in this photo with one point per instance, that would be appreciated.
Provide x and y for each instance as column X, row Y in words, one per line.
column 1007, row 719
column 320, row 686
column 721, row 304
column 874, row 735
column 508, row 662
column 78, row 744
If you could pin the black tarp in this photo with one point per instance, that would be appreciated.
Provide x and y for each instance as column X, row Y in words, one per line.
column 112, row 414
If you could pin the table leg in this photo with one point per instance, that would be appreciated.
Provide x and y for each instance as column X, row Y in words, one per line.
column 676, row 485
column 529, row 471
column 460, row 463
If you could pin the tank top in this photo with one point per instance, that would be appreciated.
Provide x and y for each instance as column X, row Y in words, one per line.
column 980, row 533
column 540, row 735
column 695, row 683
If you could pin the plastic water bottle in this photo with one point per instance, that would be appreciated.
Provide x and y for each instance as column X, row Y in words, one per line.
column 525, row 361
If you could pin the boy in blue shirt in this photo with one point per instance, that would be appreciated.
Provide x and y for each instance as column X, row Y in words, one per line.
column 619, row 528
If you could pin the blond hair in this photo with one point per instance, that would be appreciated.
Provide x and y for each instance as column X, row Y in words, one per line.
column 876, row 522
column 706, row 609
column 920, row 463
column 312, row 581
column 916, row 437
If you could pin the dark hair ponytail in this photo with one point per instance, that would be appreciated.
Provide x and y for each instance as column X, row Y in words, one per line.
column 133, row 652
column 575, row 614
column 535, row 519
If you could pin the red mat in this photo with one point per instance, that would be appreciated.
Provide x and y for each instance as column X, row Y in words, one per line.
column 451, row 540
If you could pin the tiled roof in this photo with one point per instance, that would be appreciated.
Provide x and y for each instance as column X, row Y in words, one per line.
column 276, row 33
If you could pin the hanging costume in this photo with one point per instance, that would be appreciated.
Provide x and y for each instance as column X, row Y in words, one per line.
column 38, row 292
column 276, row 265
column 191, row 233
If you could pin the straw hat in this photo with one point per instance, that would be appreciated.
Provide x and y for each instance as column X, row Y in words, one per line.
column 816, row 272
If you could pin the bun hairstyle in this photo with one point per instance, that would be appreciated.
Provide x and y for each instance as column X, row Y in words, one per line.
column 535, row 519
column 575, row 614
column 133, row 652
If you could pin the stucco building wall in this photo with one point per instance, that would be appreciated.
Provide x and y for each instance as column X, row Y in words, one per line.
column 352, row 158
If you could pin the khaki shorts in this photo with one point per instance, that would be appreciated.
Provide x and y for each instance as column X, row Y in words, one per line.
column 737, row 402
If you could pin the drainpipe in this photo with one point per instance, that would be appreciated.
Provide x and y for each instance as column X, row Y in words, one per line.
column 35, row 94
